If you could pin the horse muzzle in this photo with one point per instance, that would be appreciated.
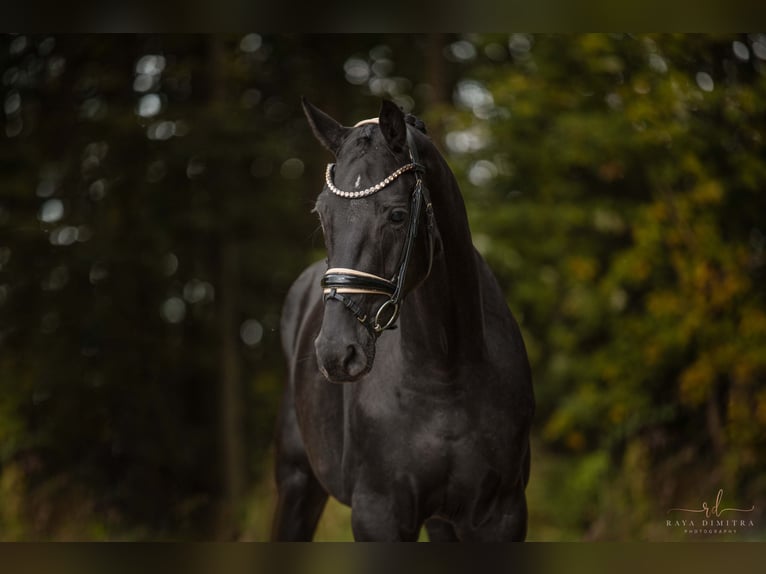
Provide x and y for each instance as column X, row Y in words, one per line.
column 344, row 352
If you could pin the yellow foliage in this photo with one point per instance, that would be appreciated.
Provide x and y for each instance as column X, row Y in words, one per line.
column 12, row 489
column 739, row 408
column 610, row 372
column 582, row 268
column 696, row 381
column 652, row 353
column 663, row 304
column 709, row 192
column 753, row 322
column 724, row 356
column 617, row 413
column 742, row 372
column 658, row 211
column 760, row 408
column 691, row 163
column 575, row 440
column 726, row 288
column 702, row 275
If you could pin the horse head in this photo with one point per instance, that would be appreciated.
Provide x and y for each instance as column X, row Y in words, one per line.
column 377, row 223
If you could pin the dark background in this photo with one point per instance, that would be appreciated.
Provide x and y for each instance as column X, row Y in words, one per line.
column 155, row 197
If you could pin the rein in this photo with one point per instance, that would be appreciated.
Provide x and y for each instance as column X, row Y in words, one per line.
column 338, row 282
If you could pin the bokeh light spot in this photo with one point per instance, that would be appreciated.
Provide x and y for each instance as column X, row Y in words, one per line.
column 46, row 187
column 149, row 105
column 144, row 83
column 97, row 190
column 18, row 45
column 46, row 46
column 195, row 167
column 520, row 45
column 56, row 66
column 464, row 141
column 759, row 48
column 251, row 332
column 482, row 172
column 51, row 211
column 461, row 51
column 250, row 98
column 173, row 310
column 251, row 43
column 657, row 63
column 13, row 127
column 98, row 272
column 357, row 71
column 705, row 82
column 161, row 131
column 474, row 95
column 64, row 236
column 156, row 171
column 56, row 280
column 150, row 64
column 169, row 264
column 93, row 109
column 196, row 291
column 5, row 256
column 740, row 50
column 12, row 103
column 292, row 168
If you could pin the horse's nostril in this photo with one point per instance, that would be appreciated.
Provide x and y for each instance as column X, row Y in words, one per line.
column 341, row 361
column 353, row 362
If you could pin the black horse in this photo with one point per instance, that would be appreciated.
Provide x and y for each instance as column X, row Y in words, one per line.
column 435, row 427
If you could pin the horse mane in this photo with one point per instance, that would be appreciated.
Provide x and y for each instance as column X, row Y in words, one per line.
column 416, row 122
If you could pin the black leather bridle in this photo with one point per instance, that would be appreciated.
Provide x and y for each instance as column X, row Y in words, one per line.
column 339, row 283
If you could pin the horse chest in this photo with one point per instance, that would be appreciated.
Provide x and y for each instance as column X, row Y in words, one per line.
column 404, row 429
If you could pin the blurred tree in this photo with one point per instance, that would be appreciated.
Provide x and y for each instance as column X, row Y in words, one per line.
column 616, row 185
column 154, row 209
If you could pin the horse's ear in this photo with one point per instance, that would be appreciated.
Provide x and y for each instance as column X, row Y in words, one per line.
column 329, row 132
column 392, row 125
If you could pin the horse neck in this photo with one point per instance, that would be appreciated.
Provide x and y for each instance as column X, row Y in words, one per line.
column 443, row 318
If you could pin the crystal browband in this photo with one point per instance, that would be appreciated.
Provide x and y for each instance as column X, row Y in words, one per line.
column 370, row 190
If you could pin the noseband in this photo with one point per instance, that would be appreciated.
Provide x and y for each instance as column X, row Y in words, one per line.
column 338, row 283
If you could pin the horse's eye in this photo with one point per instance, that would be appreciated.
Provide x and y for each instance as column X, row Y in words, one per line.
column 398, row 215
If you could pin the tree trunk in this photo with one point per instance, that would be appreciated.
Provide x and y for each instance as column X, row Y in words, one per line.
column 231, row 436
column 230, row 405
column 436, row 70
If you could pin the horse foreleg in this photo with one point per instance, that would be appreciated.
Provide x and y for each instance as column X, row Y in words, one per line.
column 301, row 497
column 506, row 523
column 439, row 530
column 299, row 507
column 386, row 514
